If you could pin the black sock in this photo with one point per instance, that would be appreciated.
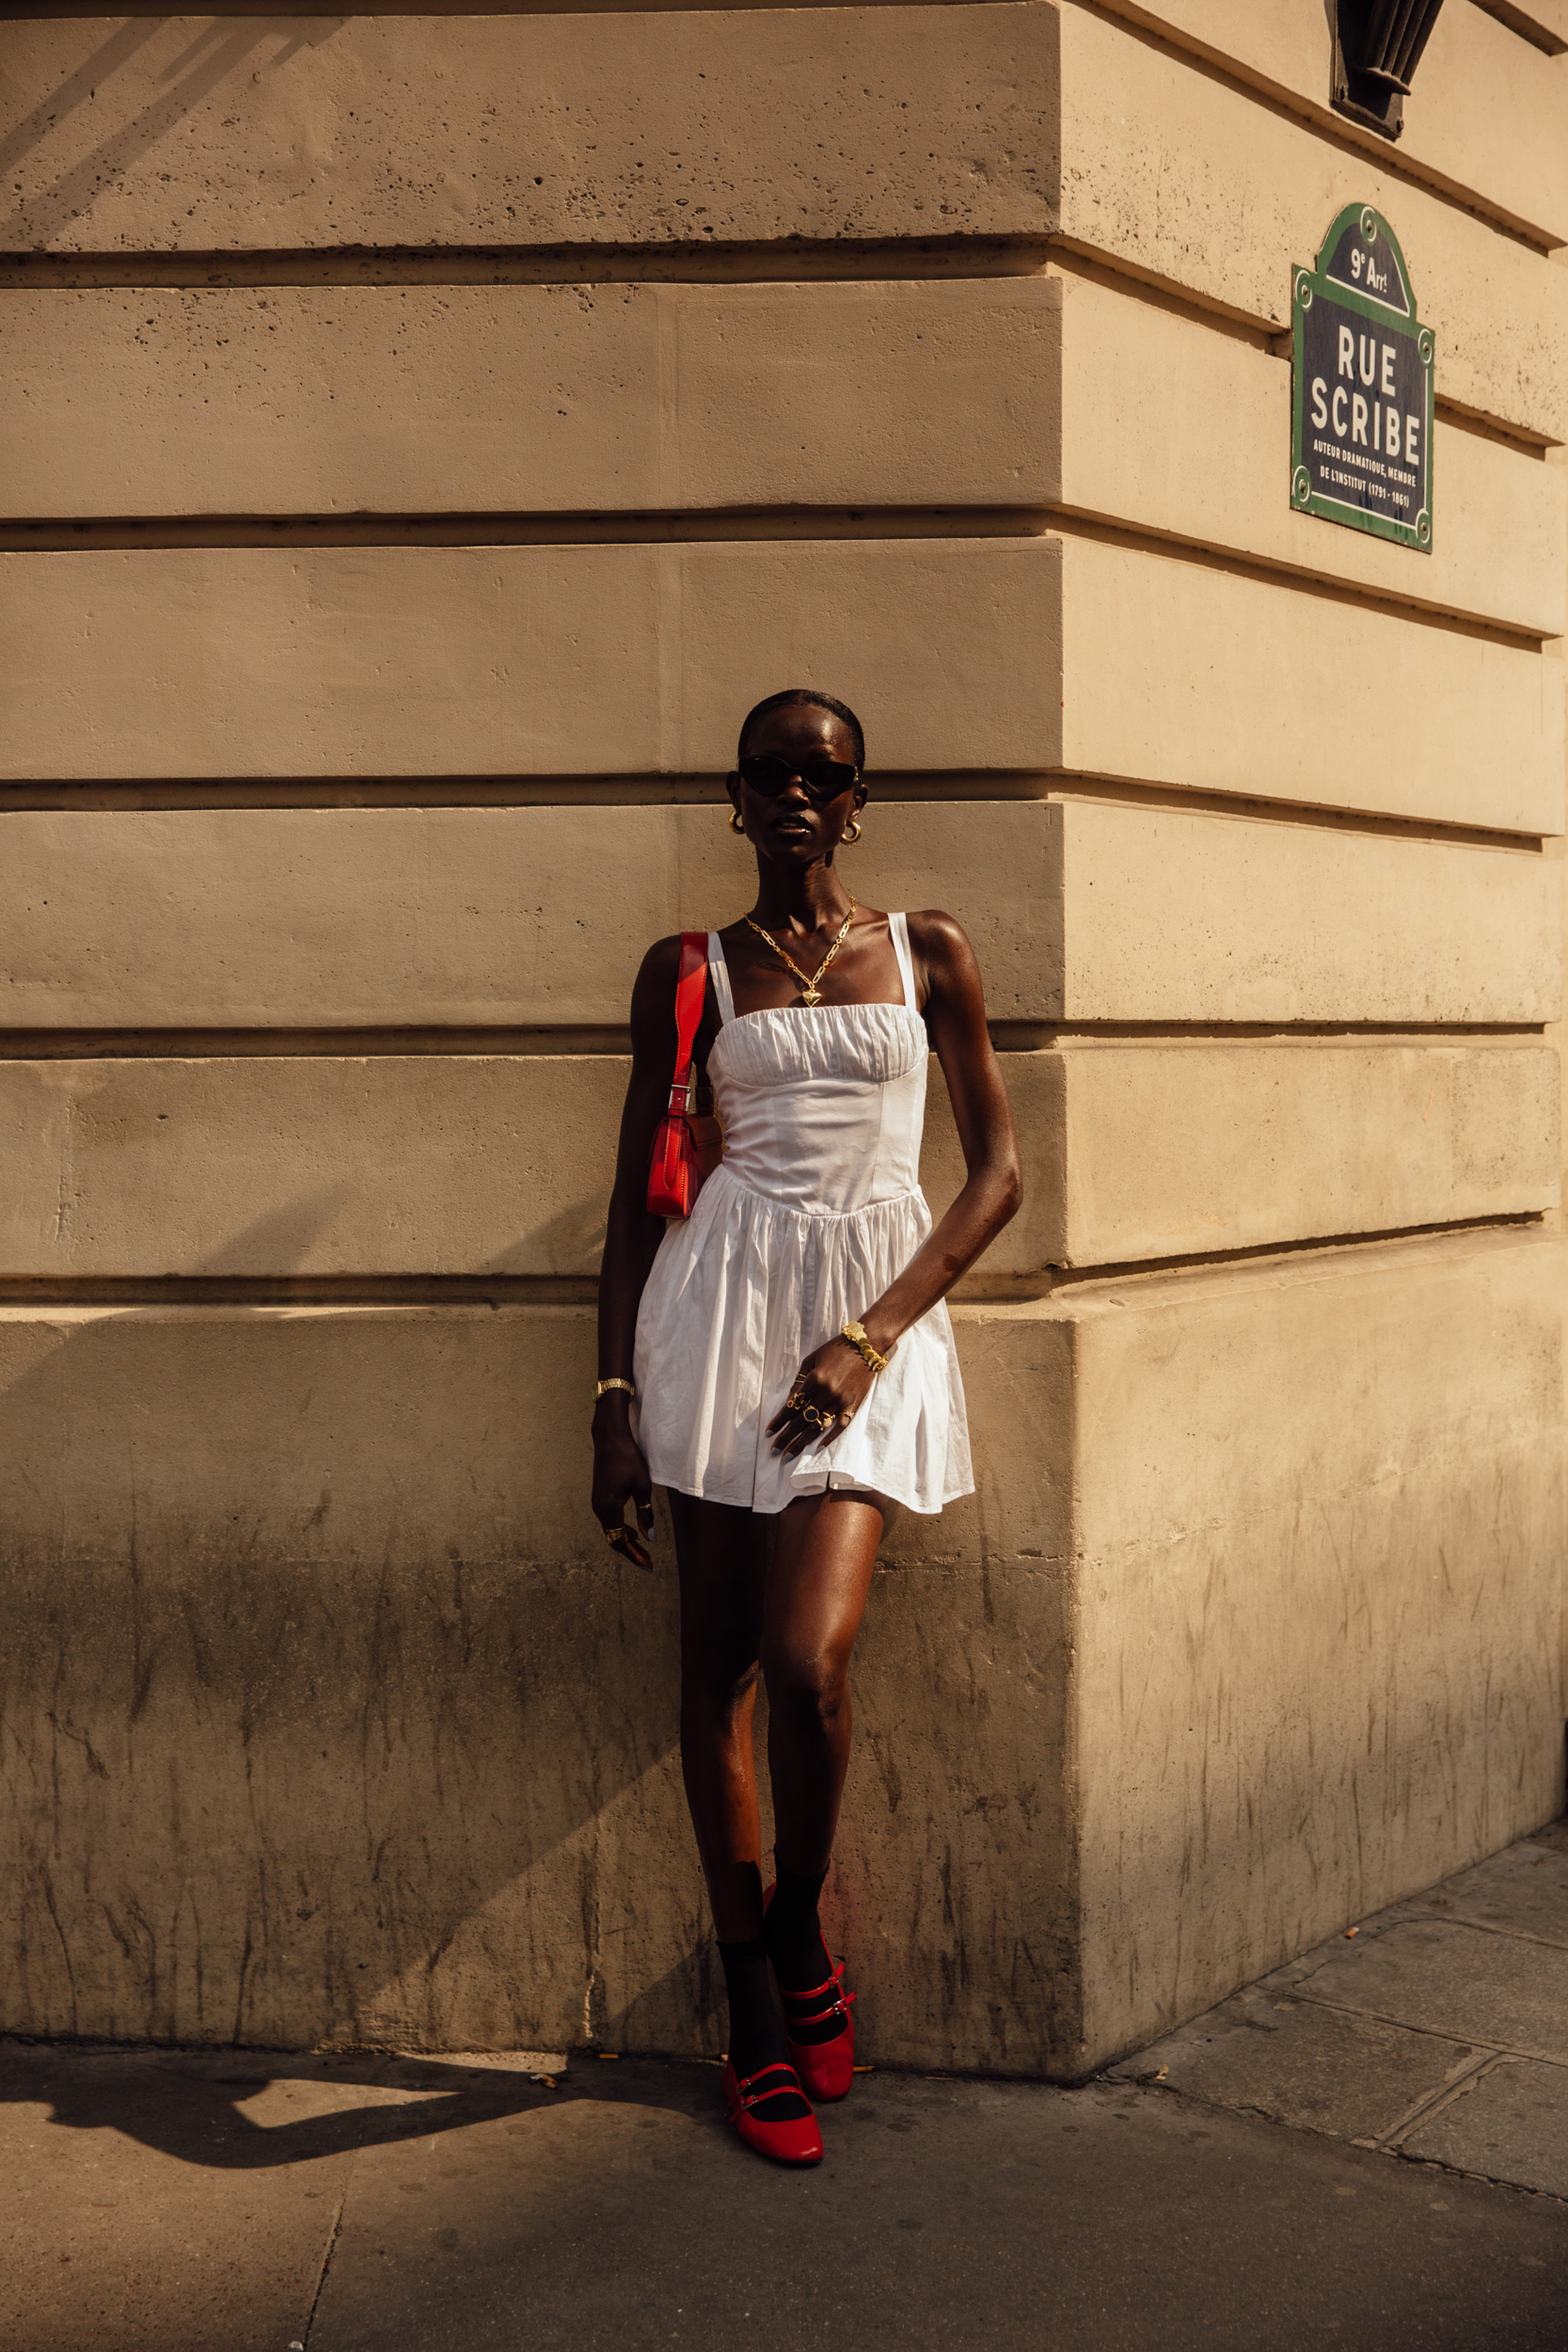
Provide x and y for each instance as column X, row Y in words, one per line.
column 794, row 1932
column 756, row 2029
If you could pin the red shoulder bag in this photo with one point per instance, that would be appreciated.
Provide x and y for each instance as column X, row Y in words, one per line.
column 684, row 1147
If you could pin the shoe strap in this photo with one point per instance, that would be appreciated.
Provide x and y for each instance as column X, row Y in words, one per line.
column 746, row 2095
column 795, row 1993
column 815, row 1993
column 819, row 2017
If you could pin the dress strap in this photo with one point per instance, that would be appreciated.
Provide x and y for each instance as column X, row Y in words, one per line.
column 719, row 973
column 898, row 925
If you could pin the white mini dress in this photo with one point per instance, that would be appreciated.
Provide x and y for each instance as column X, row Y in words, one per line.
column 813, row 1210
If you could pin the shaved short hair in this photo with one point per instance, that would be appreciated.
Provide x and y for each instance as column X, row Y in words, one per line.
column 792, row 698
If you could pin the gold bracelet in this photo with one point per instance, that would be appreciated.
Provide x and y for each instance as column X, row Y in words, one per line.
column 603, row 1385
column 855, row 1334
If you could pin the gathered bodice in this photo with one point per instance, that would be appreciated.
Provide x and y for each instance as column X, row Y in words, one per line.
column 822, row 1106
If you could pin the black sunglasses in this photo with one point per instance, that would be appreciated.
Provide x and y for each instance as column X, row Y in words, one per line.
column 769, row 773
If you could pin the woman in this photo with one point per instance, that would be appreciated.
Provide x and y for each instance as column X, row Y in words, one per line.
column 780, row 1361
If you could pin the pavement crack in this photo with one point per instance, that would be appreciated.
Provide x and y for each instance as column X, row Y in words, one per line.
column 1498, row 2181
column 1489, row 1926
column 1435, row 2033
column 331, row 2246
column 1458, row 2082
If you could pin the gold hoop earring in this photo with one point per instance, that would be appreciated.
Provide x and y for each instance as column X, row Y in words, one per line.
column 738, row 823
column 852, row 833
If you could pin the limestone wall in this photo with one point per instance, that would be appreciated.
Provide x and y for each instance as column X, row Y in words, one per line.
column 421, row 437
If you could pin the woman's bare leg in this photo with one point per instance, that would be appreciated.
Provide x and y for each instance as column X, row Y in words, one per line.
column 800, row 1616
column 722, row 1561
column 722, row 1558
column 817, row 1592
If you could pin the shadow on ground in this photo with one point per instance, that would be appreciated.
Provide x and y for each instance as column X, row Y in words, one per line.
column 238, row 2110
column 221, row 2199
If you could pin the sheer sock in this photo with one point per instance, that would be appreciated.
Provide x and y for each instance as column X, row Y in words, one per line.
column 801, row 1957
column 794, row 1932
column 756, row 2029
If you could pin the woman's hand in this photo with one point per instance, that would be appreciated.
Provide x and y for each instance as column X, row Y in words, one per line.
column 621, row 1476
column 824, row 1397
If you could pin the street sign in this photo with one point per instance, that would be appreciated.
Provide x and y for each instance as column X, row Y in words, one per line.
column 1362, row 387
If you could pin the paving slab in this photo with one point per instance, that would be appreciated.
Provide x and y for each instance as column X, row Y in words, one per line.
column 1511, row 2125
column 1437, row 2028
column 1317, row 2068
column 1450, row 1976
column 1524, row 1891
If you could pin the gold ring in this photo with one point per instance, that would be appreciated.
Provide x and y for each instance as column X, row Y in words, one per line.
column 610, row 1534
column 817, row 1420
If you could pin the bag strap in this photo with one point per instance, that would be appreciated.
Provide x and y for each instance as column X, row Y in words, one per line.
column 690, row 991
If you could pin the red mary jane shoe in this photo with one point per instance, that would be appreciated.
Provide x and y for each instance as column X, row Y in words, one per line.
column 826, row 2068
column 796, row 2139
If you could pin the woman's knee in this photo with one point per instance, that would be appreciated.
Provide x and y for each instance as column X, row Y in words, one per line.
column 718, row 1684
column 807, row 1687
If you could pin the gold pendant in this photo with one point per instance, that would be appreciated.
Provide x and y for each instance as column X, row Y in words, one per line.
column 811, row 996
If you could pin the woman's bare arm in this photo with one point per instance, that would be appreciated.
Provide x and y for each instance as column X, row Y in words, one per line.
column 631, row 1241
column 993, row 1186
column 835, row 1380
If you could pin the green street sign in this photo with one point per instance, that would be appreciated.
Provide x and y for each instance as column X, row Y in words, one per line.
column 1362, row 387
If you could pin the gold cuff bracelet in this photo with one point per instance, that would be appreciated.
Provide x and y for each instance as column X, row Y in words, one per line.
column 855, row 1334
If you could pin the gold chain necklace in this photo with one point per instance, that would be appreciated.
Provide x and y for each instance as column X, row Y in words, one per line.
column 810, row 993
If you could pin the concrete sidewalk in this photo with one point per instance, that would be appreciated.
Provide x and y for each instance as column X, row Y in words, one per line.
column 1436, row 2029
column 238, row 2202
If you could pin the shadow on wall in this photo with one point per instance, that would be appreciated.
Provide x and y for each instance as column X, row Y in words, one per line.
column 569, row 1243
column 299, row 1724
column 281, row 1239
column 206, row 60
column 325, row 1718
